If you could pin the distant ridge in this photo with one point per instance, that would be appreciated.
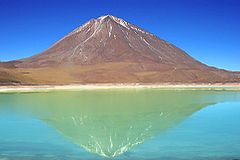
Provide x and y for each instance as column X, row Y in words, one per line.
column 111, row 50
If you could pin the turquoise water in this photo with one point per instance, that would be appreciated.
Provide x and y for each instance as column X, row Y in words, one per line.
column 120, row 124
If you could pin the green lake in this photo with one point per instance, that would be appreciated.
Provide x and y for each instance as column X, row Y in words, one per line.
column 120, row 124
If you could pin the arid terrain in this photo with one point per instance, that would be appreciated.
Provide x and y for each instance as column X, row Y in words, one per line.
column 111, row 50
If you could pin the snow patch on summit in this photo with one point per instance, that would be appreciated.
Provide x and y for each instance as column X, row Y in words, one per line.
column 123, row 23
column 117, row 20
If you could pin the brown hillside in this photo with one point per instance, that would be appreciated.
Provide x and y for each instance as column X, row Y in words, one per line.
column 111, row 50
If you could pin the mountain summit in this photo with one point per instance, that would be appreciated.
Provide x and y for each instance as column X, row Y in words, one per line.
column 109, row 39
column 111, row 50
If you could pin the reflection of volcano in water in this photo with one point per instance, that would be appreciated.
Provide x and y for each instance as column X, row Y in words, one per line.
column 110, row 123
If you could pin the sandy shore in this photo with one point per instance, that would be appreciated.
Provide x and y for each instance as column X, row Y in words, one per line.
column 42, row 88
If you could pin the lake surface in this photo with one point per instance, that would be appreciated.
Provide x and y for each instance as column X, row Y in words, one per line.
column 120, row 124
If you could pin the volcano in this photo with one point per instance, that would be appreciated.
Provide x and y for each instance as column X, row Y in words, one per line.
column 111, row 50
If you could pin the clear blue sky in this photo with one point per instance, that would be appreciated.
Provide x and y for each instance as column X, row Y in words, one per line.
column 209, row 30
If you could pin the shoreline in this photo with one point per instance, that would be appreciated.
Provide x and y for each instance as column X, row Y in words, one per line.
column 74, row 87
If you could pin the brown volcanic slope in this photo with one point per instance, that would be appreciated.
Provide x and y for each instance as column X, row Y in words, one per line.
column 111, row 50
